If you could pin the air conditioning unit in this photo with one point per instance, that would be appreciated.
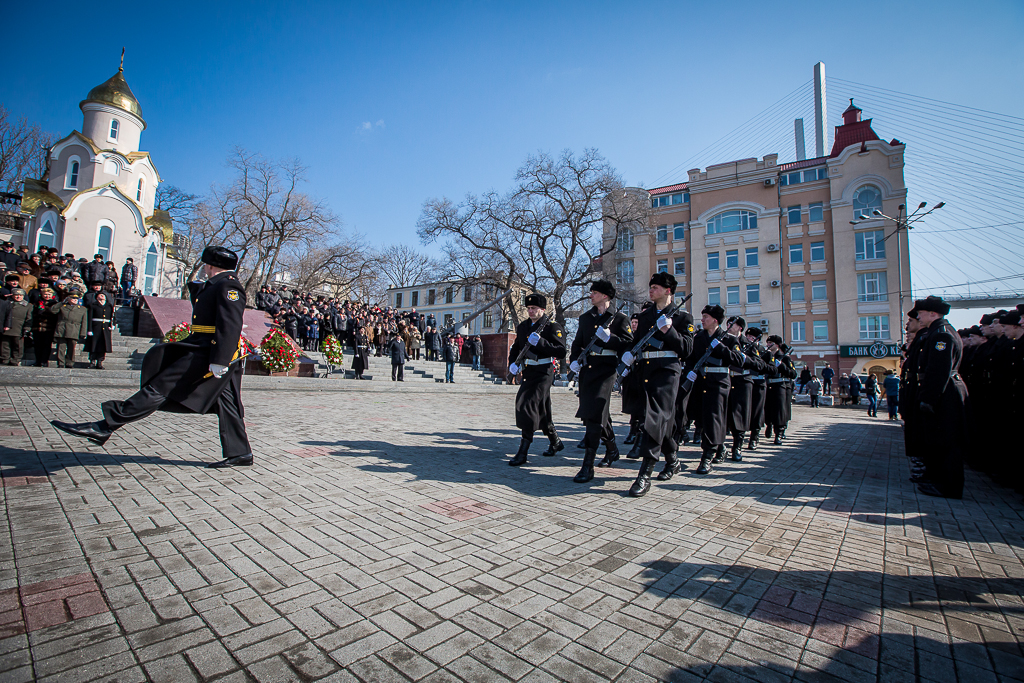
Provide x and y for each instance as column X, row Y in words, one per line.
column 769, row 182
column 764, row 323
column 773, row 247
column 776, row 283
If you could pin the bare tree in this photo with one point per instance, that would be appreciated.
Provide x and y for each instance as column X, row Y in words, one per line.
column 403, row 266
column 176, row 202
column 341, row 267
column 23, row 149
column 546, row 232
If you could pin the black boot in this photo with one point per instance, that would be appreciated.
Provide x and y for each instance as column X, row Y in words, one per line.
column 719, row 454
column 754, row 433
column 737, row 443
column 705, row 461
column 642, row 484
column 672, row 467
column 782, row 433
column 631, row 437
column 698, row 434
column 611, row 454
column 586, row 472
column 634, row 452
column 778, row 437
column 582, row 443
column 520, row 456
column 768, row 432
column 554, row 443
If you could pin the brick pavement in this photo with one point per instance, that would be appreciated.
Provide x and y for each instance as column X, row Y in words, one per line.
column 382, row 537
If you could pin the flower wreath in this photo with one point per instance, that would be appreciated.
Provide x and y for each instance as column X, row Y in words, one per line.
column 333, row 350
column 278, row 352
column 177, row 333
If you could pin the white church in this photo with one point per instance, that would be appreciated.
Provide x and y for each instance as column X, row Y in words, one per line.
column 98, row 193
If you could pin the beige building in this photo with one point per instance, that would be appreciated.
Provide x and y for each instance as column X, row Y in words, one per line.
column 98, row 193
column 793, row 248
column 453, row 301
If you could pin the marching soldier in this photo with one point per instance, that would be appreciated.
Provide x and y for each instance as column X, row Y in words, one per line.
column 775, row 408
column 712, row 382
column 546, row 342
column 758, row 387
column 741, row 387
column 659, row 368
column 596, row 373
column 196, row 374
column 633, row 402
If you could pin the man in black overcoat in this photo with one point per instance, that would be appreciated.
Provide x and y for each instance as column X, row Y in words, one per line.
column 596, row 373
column 758, row 386
column 197, row 374
column 741, row 386
column 546, row 342
column 775, row 409
column 633, row 402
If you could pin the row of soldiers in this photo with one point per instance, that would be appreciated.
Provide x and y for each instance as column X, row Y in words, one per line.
column 720, row 377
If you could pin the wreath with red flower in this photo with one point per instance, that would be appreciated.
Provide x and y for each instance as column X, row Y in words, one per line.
column 278, row 352
column 333, row 351
column 177, row 333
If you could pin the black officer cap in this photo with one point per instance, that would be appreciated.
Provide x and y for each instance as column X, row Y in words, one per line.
column 538, row 300
column 754, row 332
column 934, row 304
column 635, row 316
column 912, row 313
column 987, row 319
column 738, row 321
column 664, row 280
column 716, row 312
column 775, row 339
column 1011, row 318
column 220, row 257
column 603, row 287
column 975, row 330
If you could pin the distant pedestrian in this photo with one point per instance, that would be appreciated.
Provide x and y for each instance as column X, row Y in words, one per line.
column 805, row 377
column 129, row 274
column 871, row 393
column 826, row 379
column 396, row 349
column 855, row 387
column 891, row 384
column 814, row 389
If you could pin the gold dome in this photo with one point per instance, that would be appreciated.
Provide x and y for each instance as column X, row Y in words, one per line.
column 115, row 91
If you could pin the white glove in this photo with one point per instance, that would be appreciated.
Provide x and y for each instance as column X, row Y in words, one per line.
column 664, row 321
column 533, row 339
column 692, row 376
column 603, row 333
column 574, row 366
column 89, row 334
column 218, row 370
column 513, row 369
column 627, row 358
column 714, row 343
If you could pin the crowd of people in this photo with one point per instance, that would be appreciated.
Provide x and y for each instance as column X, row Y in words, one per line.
column 369, row 330
column 51, row 301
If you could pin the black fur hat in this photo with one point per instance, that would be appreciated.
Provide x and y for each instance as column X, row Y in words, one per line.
column 932, row 303
column 603, row 287
column 716, row 312
column 538, row 300
column 220, row 257
column 666, row 280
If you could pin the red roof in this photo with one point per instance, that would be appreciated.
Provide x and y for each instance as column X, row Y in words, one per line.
column 852, row 134
column 668, row 188
column 803, row 163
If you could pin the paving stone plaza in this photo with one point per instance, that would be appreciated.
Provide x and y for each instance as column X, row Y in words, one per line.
column 382, row 537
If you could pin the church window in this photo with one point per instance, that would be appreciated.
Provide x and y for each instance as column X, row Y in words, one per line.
column 104, row 239
column 149, row 281
column 45, row 237
column 71, row 179
column 141, row 191
column 115, row 125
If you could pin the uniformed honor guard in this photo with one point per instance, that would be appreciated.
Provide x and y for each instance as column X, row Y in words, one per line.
column 659, row 367
column 632, row 401
column 741, row 385
column 545, row 340
column 775, row 408
column 596, row 373
column 758, row 387
column 197, row 374
column 942, row 400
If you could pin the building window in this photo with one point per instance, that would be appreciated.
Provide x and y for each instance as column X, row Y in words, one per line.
column 46, row 236
column 819, row 290
column 680, row 266
column 624, row 272
column 679, row 231
column 488, row 319
column 415, row 298
column 104, row 238
column 448, row 319
column 870, row 245
column 625, row 240
column 732, row 258
column 872, row 287
column 796, row 291
column 712, row 260
column 398, row 299
column 115, row 126
column 431, row 297
column 467, row 293
column 797, row 177
column 794, row 214
column 449, row 295
column 874, row 327
column 149, row 281
column 753, row 294
column 799, row 331
column 817, row 252
column 865, row 201
column 820, row 330
column 796, row 253
column 816, row 212
column 732, row 221
column 732, row 296
column 141, row 190
column 663, row 233
column 751, row 255
column 670, row 200
column 663, row 265
column 71, row 179
column 714, row 296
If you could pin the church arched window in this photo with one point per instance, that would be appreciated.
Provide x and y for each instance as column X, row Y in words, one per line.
column 104, row 239
column 149, row 270
column 115, row 126
column 71, row 178
column 140, row 193
column 46, row 236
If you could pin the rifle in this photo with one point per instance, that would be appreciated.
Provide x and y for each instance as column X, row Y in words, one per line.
column 687, row 384
column 541, row 324
column 609, row 314
column 623, row 369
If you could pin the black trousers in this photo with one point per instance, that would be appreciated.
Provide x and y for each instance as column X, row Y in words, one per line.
column 145, row 402
column 397, row 372
column 598, row 432
column 43, row 344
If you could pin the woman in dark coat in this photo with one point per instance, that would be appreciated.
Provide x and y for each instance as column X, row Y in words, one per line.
column 112, row 283
column 101, row 318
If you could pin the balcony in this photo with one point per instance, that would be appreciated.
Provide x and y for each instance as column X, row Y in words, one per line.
column 13, row 222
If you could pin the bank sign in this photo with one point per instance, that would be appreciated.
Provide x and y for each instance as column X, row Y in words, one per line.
column 876, row 350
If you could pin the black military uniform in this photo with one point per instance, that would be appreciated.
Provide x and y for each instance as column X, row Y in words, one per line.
column 712, row 381
column 596, row 373
column 790, row 384
column 942, row 404
column 910, row 390
column 758, row 387
column 196, row 374
column 659, row 366
column 633, row 403
column 533, row 400
column 776, row 408
column 741, row 387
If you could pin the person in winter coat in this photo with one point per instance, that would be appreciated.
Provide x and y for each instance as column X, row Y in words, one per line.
column 844, row 389
column 101, row 319
column 871, row 392
column 72, row 327
column 96, row 270
column 110, row 283
column 805, row 377
column 451, row 357
column 44, row 323
column 814, row 389
column 855, row 387
column 17, row 322
column 361, row 358
column 396, row 349
column 129, row 274
column 478, row 351
column 891, row 384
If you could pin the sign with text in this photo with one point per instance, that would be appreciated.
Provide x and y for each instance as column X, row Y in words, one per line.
column 875, row 350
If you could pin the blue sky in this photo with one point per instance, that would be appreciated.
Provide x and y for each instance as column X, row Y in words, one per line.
column 390, row 104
